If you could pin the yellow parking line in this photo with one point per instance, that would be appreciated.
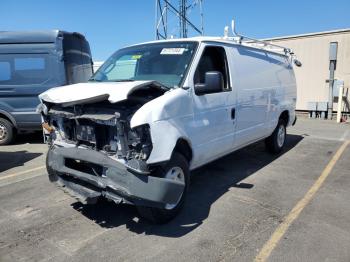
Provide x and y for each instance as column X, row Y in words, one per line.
column 288, row 220
column 21, row 173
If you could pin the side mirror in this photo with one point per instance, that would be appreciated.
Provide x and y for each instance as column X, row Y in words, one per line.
column 214, row 83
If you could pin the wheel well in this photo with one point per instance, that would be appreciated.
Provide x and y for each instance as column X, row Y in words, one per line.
column 183, row 147
column 7, row 118
column 285, row 116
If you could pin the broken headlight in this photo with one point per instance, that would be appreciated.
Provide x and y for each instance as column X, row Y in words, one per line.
column 140, row 143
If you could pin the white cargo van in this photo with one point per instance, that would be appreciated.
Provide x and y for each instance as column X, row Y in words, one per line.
column 157, row 110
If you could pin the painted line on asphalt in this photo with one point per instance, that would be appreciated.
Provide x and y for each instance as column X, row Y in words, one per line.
column 269, row 246
column 22, row 172
column 24, row 178
column 324, row 138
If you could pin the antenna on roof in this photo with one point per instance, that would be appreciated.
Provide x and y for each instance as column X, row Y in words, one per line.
column 226, row 32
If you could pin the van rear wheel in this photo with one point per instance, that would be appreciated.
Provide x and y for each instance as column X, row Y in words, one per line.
column 276, row 141
column 6, row 132
column 177, row 169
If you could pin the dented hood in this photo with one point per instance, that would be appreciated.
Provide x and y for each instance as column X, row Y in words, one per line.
column 92, row 92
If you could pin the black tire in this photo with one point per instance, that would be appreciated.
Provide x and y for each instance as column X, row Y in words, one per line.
column 159, row 215
column 51, row 173
column 7, row 132
column 274, row 142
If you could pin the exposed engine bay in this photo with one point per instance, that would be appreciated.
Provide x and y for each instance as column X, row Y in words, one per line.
column 100, row 125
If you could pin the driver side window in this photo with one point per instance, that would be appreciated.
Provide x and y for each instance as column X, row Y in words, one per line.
column 213, row 59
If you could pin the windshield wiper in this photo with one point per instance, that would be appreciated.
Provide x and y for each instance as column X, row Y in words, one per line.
column 122, row 80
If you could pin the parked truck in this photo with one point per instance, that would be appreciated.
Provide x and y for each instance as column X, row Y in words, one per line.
column 155, row 111
column 30, row 63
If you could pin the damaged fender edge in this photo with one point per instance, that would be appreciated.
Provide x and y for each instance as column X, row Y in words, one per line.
column 169, row 106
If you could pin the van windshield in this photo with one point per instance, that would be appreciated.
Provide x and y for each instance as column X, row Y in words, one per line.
column 166, row 63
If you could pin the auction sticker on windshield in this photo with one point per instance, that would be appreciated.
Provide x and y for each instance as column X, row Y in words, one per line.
column 172, row 51
column 135, row 57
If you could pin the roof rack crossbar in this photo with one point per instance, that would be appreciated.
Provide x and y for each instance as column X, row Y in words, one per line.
column 240, row 39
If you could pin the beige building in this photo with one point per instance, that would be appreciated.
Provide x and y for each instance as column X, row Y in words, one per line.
column 313, row 51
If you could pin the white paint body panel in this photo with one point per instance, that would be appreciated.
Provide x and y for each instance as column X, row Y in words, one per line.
column 265, row 87
column 170, row 117
column 116, row 91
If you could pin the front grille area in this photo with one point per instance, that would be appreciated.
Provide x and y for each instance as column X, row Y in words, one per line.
column 83, row 166
column 87, row 132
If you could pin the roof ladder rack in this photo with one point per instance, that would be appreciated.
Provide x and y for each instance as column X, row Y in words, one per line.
column 238, row 38
column 241, row 38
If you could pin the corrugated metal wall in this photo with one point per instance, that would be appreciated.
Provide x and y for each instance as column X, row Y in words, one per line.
column 313, row 52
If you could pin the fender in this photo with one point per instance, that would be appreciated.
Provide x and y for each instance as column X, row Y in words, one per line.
column 170, row 114
column 9, row 116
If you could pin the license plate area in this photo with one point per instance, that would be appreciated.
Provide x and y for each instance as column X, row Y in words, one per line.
column 86, row 133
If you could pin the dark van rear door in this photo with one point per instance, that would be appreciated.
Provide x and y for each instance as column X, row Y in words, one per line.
column 77, row 58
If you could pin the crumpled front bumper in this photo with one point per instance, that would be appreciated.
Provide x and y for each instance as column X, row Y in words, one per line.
column 116, row 182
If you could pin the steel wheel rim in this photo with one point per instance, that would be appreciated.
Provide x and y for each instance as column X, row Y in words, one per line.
column 281, row 135
column 3, row 132
column 176, row 174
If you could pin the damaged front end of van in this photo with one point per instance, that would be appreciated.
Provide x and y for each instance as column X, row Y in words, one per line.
column 94, row 152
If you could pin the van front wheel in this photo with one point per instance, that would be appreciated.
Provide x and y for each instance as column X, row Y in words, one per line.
column 276, row 141
column 176, row 169
column 6, row 132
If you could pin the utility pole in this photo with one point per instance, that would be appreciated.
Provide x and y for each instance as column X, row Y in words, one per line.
column 166, row 12
column 333, row 48
column 183, row 24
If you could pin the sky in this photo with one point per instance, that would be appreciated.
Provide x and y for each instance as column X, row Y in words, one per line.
column 111, row 24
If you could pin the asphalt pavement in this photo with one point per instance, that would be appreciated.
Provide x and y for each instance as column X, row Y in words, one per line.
column 236, row 207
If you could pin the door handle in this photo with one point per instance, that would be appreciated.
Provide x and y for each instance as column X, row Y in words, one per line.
column 233, row 113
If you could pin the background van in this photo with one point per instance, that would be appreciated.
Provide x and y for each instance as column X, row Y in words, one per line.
column 31, row 63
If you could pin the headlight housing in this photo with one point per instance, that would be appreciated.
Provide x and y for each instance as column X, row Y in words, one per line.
column 140, row 141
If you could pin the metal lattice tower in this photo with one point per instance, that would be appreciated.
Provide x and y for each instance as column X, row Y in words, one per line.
column 166, row 13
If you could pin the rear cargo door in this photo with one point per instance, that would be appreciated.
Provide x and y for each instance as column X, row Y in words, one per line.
column 77, row 59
